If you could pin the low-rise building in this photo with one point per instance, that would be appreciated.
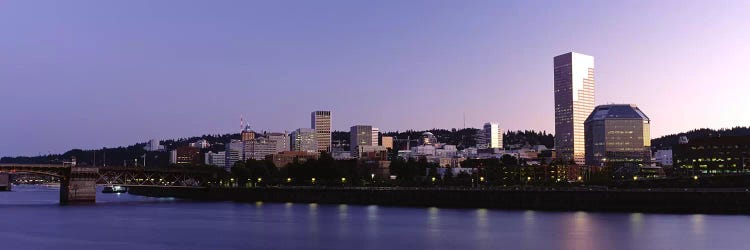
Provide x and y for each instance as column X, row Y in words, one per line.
column 202, row 143
column 284, row 158
column 713, row 155
column 663, row 157
column 185, row 155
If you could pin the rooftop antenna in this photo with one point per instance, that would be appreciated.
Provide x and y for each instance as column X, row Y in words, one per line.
column 242, row 123
column 464, row 120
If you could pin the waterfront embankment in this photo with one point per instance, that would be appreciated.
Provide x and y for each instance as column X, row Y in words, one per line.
column 658, row 201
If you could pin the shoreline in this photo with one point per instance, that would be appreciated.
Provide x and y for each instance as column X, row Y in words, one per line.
column 670, row 201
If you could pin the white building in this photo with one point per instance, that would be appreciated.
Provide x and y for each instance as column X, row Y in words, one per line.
column 375, row 136
column 258, row 148
column 153, row 145
column 303, row 139
column 493, row 135
column 423, row 150
column 202, row 143
column 217, row 159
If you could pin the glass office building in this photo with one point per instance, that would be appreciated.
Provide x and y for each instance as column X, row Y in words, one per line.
column 618, row 136
column 574, row 100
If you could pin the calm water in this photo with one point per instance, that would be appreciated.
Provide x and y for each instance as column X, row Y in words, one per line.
column 32, row 219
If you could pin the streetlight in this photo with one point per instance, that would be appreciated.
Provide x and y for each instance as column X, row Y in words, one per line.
column 481, row 178
column 433, row 179
column 343, row 179
column 313, row 180
column 288, row 179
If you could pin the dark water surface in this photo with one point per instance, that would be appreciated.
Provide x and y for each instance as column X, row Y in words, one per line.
column 32, row 219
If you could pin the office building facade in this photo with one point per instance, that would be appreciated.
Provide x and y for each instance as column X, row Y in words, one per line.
column 618, row 136
column 320, row 121
column 713, row 156
column 493, row 135
column 303, row 140
column 359, row 135
column 574, row 101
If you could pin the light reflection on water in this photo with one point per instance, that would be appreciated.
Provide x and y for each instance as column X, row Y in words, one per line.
column 131, row 222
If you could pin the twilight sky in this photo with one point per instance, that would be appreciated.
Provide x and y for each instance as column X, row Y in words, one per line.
column 85, row 74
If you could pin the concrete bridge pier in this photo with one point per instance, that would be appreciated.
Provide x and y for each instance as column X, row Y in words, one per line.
column 79, row 185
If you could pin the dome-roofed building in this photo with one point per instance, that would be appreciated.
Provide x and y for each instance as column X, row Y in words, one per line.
column 428, row 138
column 618, row 136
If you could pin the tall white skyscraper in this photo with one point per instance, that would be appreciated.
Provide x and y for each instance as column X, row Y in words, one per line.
column 320, row 121
column 574, row 101
column 375, row 136
column 493, row 135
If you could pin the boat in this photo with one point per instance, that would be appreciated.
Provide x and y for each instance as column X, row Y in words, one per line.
column 114, row 189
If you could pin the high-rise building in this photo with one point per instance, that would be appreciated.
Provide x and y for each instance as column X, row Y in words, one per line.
column 303, row 139
column 320, row 121
column 233, row 153
column 574, row 101
column 359, row 135
column 216, row 159
column 375, row 136
column 618, row 136
column 258, row 149
column 387, row 142
column 281, row 139
column 493, row 135
column 247, row 134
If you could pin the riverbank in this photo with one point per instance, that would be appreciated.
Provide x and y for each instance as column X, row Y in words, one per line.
column 722, row 201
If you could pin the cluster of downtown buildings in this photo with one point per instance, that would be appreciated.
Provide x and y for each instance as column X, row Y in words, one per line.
column 616, row 136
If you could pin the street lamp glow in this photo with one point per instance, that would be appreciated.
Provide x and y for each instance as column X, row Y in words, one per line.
column 343, row 179
column 528, row 178
column 579, row 178
column 288, row 179
column 372, row 176
column 695, row 177
column 313, row 179
column 635, row 178
column 433, row 179
column 260, row 179
column 481, row 178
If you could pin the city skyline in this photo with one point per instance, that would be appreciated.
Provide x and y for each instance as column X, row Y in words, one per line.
column 145, row 70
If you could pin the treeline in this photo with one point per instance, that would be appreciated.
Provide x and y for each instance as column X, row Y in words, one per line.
column 669, row 141
column 528, row 138
column 322, row 171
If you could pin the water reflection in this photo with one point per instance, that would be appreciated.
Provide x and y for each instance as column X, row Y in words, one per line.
column 39, row 223
column 581, row 235
column 343, row 220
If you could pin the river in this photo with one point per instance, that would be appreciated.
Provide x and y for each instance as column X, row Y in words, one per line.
column 32, row 219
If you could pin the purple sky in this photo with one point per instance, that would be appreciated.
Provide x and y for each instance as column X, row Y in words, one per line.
column 85, row 74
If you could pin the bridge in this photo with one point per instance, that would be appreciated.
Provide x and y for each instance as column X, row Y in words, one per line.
column 78, row 184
